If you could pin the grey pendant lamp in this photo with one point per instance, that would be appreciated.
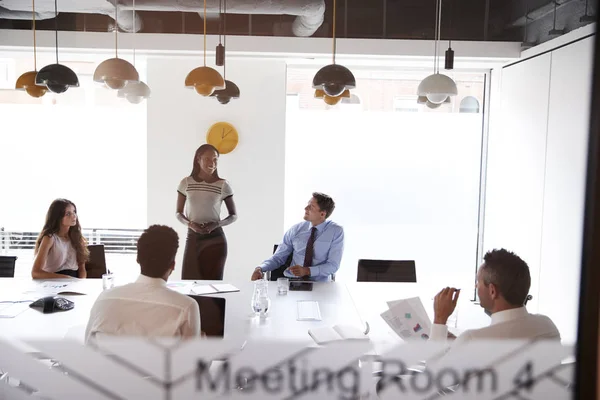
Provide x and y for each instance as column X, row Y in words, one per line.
column 231, row 91
column 333, row 79
column 56, row 77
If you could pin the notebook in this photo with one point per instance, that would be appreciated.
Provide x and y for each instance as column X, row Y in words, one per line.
column 326, row 334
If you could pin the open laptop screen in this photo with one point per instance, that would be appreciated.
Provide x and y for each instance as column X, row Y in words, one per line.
column 212, row 315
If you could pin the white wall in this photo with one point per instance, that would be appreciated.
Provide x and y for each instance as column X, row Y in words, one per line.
column 564, row 191
column 178, row 119
column 516, row 162
column 536, row 174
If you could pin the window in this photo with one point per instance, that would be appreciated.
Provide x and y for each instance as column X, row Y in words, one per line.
column 406, row 184
column 85, row 145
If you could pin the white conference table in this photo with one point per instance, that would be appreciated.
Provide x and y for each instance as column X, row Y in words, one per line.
column 339, row 303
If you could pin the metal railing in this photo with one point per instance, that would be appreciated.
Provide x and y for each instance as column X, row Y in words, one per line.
column 122, row 241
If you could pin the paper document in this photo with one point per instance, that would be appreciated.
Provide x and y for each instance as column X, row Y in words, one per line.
column 308, row 310
column 214, row 288
column 408, row 319
column 57, row 286
column 338, row 332
column 181, row 287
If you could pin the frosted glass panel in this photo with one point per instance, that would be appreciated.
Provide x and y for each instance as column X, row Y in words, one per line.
column 406, row 186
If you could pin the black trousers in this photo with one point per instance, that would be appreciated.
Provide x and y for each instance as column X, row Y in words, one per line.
column 205, row 255
column 70, row 272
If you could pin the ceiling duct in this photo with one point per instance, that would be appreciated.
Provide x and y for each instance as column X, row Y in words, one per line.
column 309, row 13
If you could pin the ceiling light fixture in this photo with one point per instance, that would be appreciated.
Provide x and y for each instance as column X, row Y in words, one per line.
column 56, row 77
column 27, row 80
column 437, row 87
column 204, row 80
column 115, row 72
column 333, row 79
column 134, row 92
column 231, row 91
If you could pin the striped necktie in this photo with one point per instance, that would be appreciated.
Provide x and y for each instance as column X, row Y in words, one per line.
column 310, row 248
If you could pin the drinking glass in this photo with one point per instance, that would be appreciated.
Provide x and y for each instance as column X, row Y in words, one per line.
column 108, row 281
column 260, row 298
column 283, row 285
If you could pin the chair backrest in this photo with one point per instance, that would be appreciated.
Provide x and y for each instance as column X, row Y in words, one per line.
column 7, row 266
column 278, row 272
column 96, row 266
column 386, row 271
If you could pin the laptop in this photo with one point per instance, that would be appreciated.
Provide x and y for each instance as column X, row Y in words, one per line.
column 212, row 315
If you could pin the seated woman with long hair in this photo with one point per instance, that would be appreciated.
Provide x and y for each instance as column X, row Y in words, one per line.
column 61, row 248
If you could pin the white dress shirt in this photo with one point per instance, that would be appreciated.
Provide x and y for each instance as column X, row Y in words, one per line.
column 144, row 308
column 516, row 323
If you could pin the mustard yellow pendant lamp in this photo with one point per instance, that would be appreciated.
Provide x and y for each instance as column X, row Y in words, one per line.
column 204, row 80
column 333, row 80
column 27, row 80
column 115, row 73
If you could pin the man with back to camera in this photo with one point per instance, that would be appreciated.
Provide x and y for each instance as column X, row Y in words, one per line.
column 316, row 245
column 503, row 282
column 147, row 307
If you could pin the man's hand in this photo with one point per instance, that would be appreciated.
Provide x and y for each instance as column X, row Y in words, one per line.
column 257, row 274
column 444, row 304
column 300, row 271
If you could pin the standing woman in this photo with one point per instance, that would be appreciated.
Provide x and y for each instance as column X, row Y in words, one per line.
column 60, row 248
column 202, row 194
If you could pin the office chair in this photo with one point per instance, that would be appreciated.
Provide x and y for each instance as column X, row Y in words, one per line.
column 386, row 271
column 278, row 273
column 96, row 265
column 7, row 266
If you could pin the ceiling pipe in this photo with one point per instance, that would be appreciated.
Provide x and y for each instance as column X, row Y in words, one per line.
column 309, row 13
column 539, row 13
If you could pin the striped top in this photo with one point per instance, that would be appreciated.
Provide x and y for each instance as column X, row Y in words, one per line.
column 203, row 200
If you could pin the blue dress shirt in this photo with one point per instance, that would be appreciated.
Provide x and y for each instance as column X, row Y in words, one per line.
column 328, row 249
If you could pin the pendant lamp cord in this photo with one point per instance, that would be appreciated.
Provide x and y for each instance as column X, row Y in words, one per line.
column 435, row 33
column 205, row 33
column 116, row 26
column 334, row 39
column 34, row 50
column 224, row 37
column 220, row 18
column 56, row 27
column 133, row 16
column 439, row 36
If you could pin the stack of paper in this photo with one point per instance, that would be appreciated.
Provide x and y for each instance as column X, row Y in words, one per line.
column 214, row 288
column 408, row 318
column 326, row 334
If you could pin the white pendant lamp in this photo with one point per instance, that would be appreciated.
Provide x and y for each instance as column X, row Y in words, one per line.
column 134, row 92
column 115, row 72
column 437, row 87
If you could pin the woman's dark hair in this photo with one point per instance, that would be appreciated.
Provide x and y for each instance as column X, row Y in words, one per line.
column 54, row 216
column 196, row 166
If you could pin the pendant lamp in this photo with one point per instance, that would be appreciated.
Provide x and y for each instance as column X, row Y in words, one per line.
column 231, row 91
column 134, row 92
column 334, row 79
column 115, row 72
column 330, row 100
column 204, row 80
column 56, row 77
column 27, row 80
column 437, row 87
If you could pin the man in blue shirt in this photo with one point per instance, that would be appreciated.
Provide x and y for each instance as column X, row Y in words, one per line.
column 316, row 245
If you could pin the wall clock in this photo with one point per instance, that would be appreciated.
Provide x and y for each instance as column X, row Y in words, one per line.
column 223, row 136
